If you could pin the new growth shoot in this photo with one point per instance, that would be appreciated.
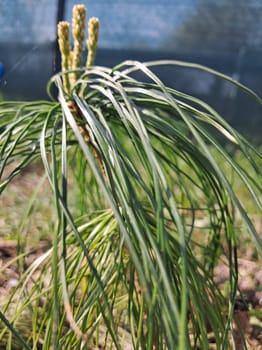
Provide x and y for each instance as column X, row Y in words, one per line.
column 71, row 59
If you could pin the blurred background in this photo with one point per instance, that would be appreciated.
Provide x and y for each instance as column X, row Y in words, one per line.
column 223, row 34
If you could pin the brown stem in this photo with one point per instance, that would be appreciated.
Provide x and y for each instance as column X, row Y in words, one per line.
column 84, row 132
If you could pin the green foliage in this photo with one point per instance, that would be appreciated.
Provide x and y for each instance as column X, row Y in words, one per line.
column 132, row 259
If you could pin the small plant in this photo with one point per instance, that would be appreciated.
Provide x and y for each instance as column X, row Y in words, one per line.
column 144, row 210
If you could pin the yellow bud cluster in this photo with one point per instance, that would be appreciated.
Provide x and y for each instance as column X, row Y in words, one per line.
column 64, row 46
column 93, row 32
column 78, row 29
column 71, row 59
column 78, row 22
column 63, row 37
